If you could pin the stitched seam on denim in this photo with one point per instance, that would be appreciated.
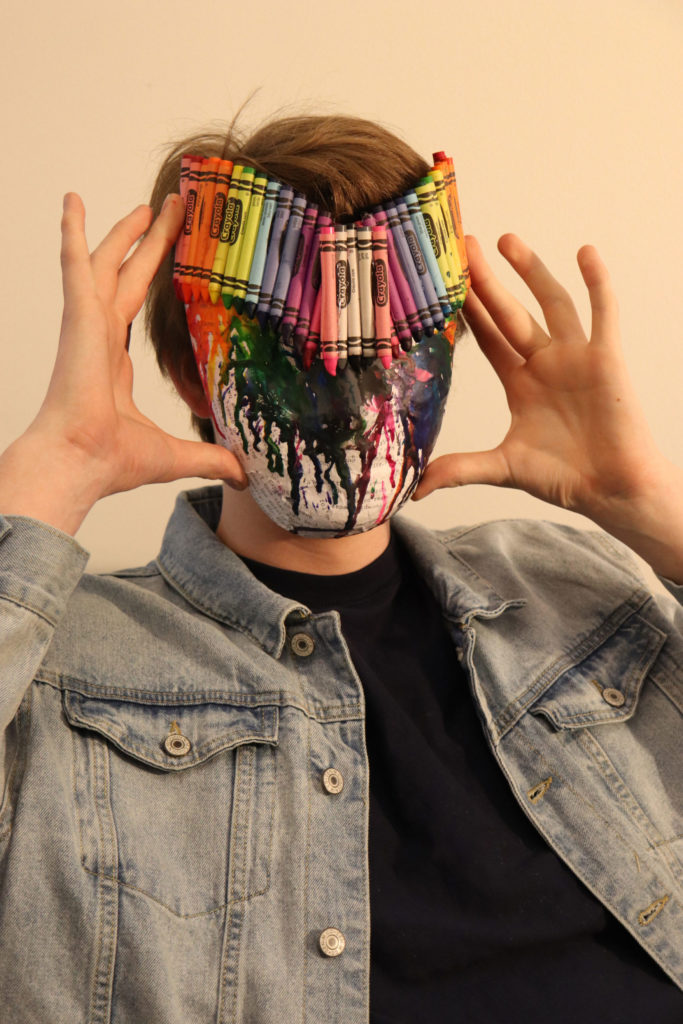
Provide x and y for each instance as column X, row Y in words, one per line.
column 665, row 690
column 29, row 608
column 23, row 718
column 77, row 810
column 309, row 787
column 226, row 958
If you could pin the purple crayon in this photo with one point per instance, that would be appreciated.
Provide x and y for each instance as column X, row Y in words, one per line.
column 296, row 285
column 408, row 267
column 398, row 315
column 311, row 285
column 402, row 285
column 290, row 244
column 420, row 263
column 282, row 210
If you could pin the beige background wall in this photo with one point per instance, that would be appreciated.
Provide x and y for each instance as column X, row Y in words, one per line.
column 564, row 119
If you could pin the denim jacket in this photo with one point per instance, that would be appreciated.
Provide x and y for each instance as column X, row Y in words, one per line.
column 173, row 847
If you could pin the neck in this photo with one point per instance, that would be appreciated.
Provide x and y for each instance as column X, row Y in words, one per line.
column 247, row 530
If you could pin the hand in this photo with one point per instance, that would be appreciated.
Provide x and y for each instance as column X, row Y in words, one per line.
column 88, row 427
column 577, row 437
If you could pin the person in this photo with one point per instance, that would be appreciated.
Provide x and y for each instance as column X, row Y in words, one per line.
column 366, row 772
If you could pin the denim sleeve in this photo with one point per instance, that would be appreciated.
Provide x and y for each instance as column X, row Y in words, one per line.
column 39, row 568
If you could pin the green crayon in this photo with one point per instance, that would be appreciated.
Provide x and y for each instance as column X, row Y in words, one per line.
column 219, row 260
column 237, row 231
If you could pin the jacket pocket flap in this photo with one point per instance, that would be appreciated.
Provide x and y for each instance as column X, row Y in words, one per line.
column 604, row 686
column 172, row 736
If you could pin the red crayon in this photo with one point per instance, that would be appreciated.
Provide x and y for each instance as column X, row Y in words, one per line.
column 380, row 294
column 189, row 186
column 213, row 213
column 180, row 245
column 204, row 177
column 328, row 288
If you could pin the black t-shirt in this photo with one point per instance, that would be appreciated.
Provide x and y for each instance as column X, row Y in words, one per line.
column 474, row 917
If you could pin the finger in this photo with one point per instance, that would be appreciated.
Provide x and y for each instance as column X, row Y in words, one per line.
column 76, row 278
column 499, row 352
column 555, row 301
column 202, row 459
column 464, row 468
column 604, row 307
column 514, row 322
column 137, row 272
column 107, row 258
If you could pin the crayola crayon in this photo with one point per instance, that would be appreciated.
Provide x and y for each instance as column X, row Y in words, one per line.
column 420, row 263
column 353, row 322
column 295, row 291
column 261, row 248
column 398, row 315
column 221, row 254
column 380, row 294
column 436, row 229
column 312, row 284
column 284, row 206
column 181, row 241
column 217, row 197
column 312, row 342
column 407, row 265
column 328, row 312
column 248, row 245
column 290, row 244
column 395, row 344
column 427, row 249
column 453, row 254
column 191, row 210
column 206, row 186
column 400, row 282
column 367, row 308
column 342, row 294
column 238, row 229
column 445, row 165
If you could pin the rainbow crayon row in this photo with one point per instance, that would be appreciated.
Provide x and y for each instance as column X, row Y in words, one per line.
column 345, row 294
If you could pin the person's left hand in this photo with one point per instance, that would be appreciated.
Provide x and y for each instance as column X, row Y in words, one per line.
column 578, row 437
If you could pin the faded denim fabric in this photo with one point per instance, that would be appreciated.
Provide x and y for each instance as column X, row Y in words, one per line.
column 168, row 850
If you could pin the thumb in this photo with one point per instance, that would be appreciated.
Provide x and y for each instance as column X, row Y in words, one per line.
column 203, row 459
column 463, row 468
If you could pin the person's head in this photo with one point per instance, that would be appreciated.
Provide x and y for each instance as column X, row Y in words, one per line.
column 325, row 455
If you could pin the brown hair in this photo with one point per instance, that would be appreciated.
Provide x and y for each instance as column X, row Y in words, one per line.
column 345, row 164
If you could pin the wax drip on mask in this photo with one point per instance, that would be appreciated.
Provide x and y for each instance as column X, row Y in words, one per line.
column 327, row 360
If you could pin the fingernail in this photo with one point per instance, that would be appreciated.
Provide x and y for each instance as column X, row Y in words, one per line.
column 238, row 485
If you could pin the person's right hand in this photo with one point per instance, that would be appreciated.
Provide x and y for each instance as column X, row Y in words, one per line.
column 89, row 439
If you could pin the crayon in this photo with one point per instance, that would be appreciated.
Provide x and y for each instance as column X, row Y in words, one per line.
column 311, row 285
column 427, row 249
column 398, row 315
column 420, row 263
column 238, row 229
column 380, row 294
column 436, row 229
column 215, row 211
column 221, row 254
column 185, row 164
column 328, row 312
column 184, row 277
column 295, row 291
column 367, row 308
column 342, row 293
column 395, row 344
column 407, row 265
column 353, row 327
column 206, row 186
column 248, row 245
column 445, row 165
column 400, row 281
column 260, row 249
column 453, row 254
column 312, row 342
column 277, row 231
column 290, row 244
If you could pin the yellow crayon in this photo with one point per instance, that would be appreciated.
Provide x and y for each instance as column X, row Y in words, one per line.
column 219, row 260
column 249, row 243
column 453, row 252
column 444, row 164
column 237, row 231
column 438, row 235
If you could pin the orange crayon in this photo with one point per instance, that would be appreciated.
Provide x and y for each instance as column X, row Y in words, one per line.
column 445, row 165
column 213, row 210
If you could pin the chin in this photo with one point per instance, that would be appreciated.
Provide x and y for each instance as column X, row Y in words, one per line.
column 325, row 455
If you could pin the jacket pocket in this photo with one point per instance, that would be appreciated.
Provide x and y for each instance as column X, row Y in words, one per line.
column 175, row 801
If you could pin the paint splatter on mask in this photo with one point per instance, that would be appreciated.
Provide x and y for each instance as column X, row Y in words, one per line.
column 325, row 456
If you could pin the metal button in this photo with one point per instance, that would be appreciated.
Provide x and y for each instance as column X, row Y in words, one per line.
column 176, row 744
column 302, row 644
column 332, row 942
column 613, row 697
column 333, row 780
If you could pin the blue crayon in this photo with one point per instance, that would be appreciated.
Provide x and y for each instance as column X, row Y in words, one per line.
column 290, row 244
column 407, row 265
column 261, row 248
column 420, row 263
column 277, row 235
column 413, row 205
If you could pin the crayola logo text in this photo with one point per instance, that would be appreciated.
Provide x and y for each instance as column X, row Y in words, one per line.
column 380, row 290
column 217, row 218
column 236, row 221
column 227, row 220
column 416, row 252
column 433, row 233
column 190, row 206
column 343, row 284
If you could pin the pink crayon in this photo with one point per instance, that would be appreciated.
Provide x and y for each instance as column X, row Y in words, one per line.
column 310, row 350
column 328, row 288
column 380, row 292
column 311, row 286
column 400, row 281
column 397, row 312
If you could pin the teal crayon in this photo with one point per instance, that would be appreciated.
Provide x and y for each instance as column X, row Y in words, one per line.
column 261, row 247
column 420, row 262
column 426, row 247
